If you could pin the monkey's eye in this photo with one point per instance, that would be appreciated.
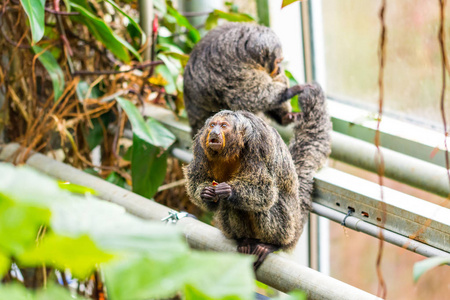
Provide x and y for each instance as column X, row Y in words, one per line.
column 211, row 125
column 224, row 125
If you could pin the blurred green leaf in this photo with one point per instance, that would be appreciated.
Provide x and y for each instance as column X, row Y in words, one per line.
column 182, row 21
column 287, row 2
column 79, row 254
column 19, row 225
column 214, row 16
column 53, row 69
column 294, row 100
column 233, row 17
column 170, row 87
column 114, row 230
column 116, row 179
column 173, row 65
column 75, row 188
column 217, row 276
column 160, row 6
column 56, row 292
column 103, row 33
column 427, row 264
column 14, row 291
column 151, row 132
column 5, row 264
column 36, row 16
column 132, row 21
column 95, row 135
column 148, row 167
column 211, row 21
column 27, row 186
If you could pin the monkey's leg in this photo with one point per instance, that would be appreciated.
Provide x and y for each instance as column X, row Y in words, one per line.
column 261, row 250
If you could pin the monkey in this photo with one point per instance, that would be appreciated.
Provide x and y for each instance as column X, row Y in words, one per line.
column 237, row 66
column 259, row 189
column 243, row 172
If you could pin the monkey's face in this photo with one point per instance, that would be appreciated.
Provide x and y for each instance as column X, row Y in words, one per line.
column 218, row 131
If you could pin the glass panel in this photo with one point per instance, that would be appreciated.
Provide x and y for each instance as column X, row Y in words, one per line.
column 413, row 66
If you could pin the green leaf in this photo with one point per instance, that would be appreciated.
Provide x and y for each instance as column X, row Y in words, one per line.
column 217, row 276
column 294, row 100
column 174, row 66
column 211, row 21
column 152, row 132
column 53, row 69
column 102, row 32
column 15, row 291
column 36, row 16
column 27, row 186
column 287, row 2
column 53, row 292
column 95, row 135
column 19, row 225
column 148, row 167
column 294, row 295
column 132, row 21
column 80, row 254
column 116, row 179
column 233, row 17
column 5, row 264
column 427, row 264
column 162, row 70
column 214, row 17
column 160, row 5
column 181, row 20
column 113, row 229
column 75, row 188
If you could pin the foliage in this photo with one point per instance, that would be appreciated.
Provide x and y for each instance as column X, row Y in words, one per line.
column 44, row 225
column 428, row 264
column 287, row 2
column 75, row 75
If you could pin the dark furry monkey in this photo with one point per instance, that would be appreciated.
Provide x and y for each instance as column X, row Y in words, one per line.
column 236, row 66
column 243, row 172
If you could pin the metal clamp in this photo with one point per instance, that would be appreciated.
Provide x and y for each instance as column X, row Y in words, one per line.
column 174, row 217
column 349, row 213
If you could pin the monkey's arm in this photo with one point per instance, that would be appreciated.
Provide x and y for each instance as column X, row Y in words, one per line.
column 199, row 184
column 253, row 189
column 199, row 187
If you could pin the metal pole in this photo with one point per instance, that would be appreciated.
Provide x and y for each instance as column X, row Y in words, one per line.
column 400, row 167
column 372, row 230
column 397, row 166
column 146, row 20
column 276, row 271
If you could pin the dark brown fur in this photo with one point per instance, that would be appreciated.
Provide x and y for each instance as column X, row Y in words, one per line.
column 256, row 164
column 271, row 187
column 236, row 66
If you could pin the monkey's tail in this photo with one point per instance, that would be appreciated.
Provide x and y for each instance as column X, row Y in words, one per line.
column 311, row 144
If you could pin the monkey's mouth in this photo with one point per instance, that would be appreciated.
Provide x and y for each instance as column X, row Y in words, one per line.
column 215, row 144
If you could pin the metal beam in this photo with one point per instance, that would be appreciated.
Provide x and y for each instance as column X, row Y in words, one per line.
column 277, row 271
column 405, row 215
column 372, row 230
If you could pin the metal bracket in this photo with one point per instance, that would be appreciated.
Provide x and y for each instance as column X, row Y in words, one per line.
column 174, row 217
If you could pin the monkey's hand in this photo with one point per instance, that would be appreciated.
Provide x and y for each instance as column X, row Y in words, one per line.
column 291, row 117
column 208, row 194
column 223, row 190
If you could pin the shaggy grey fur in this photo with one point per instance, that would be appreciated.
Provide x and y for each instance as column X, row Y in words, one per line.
column 236, row 66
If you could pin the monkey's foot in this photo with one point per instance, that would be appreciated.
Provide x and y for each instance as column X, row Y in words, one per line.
column 261, row 251
column 247, row 246
column 290, row 118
